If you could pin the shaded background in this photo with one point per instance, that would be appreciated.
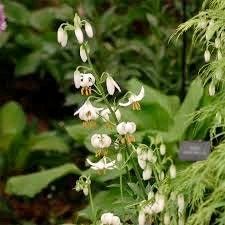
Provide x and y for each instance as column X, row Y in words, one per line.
column 38, row 98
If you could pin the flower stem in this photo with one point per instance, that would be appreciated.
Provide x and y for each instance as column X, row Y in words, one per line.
column 121, row 186
column 92, row 204
column 137, row 173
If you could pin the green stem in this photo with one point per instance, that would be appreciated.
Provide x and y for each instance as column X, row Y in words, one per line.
column 137, row 173
column 121, row 186
column 92, row 204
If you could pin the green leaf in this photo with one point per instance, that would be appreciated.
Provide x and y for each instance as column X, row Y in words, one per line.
column 28, row 64
column 32, row 184
column 42, row 19
column 12, row 119
column 4, row 38
column 182, row 119
column 16, row 12
column 48, row 141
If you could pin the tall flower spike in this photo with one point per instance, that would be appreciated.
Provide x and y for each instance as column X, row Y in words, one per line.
column 88, row 113
column 134, row 100
column 126, row 130
column 88, row 29
column 101, row 142
column 102, row 164
column 111, row 85
column 85, row 81
column 62, row 37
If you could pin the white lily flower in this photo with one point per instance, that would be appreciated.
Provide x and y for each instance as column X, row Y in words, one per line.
column 102, row 164
column 111, row 85
column 83, row 54
column 62, row 36
column 110, row 219
column 142, row 163
column 85, row 81
column 101, row 142
column 141, row 218
column 88, row 113
column 134, row 100
column 105, row 114
column 172, row 171
column 126, row 129
column 159, row 204
column 88, row 29
column 79, row 34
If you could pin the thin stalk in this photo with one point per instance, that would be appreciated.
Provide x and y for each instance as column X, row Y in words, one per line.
column 92, row 204
column 121, row 186
column 137, row 173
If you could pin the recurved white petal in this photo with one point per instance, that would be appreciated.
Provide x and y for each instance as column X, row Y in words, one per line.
column 141, row 94
column 76, row 77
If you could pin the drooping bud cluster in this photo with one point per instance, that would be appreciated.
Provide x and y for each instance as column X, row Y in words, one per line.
column 83, row 184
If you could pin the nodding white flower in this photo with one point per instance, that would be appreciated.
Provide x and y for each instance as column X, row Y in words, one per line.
column 141, row 218
column 207, row 55
column 83, row 53
column 180, row 203
column 126, row 129
column 111, row 85
column 105, row 114
column 110, row 219
column 162, row 149
column 159, row 204
column 212, row 89
column 172, row 171
column 79, row 34
column 62, row 36
column 102, row 164
column 101, row 142
column 85, row 81
column 88, row 29
column 147, row 173
column 142, row 163
column 166, row 219
column 134, row 100
column 88, row 113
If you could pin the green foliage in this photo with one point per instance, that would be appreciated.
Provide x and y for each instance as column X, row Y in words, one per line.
column 32, row 184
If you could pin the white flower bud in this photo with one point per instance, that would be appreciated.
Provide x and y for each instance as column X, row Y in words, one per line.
column 62, row 37
column 207, row 55
column 107, row 218
column 111, row 85
column 147, row 173
column 162, row 176
column 119, row 157
column 212, row 89
column 166, row 219
column 142, row 163
column 83, row 54
column 172, row 171
column 88, row 29
column 141, row 218
column 218, row 118
column 85, row 190
column 79, row 35
column 180, row 203
column 162, row 149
